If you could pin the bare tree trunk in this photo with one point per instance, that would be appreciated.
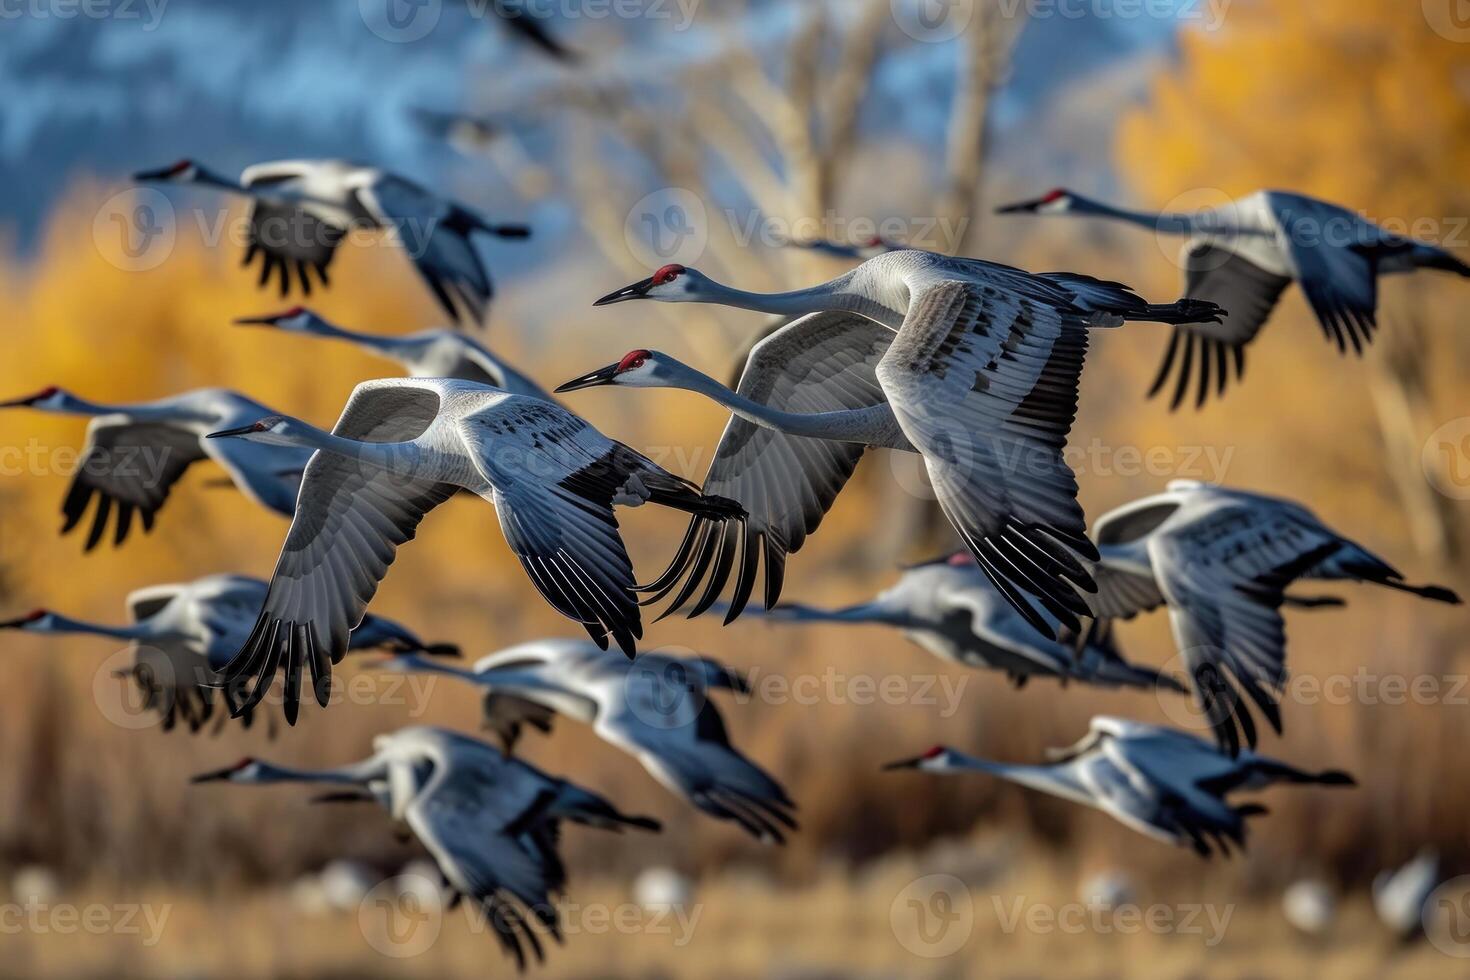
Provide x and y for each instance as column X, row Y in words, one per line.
column 1406, row 415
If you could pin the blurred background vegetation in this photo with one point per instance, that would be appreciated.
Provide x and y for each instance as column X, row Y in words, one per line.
column 1358, row 102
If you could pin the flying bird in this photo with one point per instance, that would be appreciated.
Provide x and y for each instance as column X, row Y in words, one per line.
column 971, row 364
column 301, row 210
column 134, row 454
column 1243, row 254
column 1221, row 560
column 401, row 448
column 425, row 354
column 1160, row 782
column 490, row 822
column 182, row 634
column 657, row 709
column 949, row 608
column 1399, row 894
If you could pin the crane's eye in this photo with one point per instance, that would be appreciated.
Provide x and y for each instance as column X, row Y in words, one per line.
column 633, row 359
column 667, row 274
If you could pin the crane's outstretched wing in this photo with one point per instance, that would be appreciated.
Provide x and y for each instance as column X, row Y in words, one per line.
column 984, row 384
column 1245, row 292
column 823, row 362
column 1339, row 278
column 130, row 467
column 1159, row 807
column 1224, row 576
column 437, row 239
column 492, row 838
column 286, row 238
column 350, row 519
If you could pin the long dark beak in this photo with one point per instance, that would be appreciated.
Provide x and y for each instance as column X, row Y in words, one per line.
column 428, row 649
column 213, row 776
column 636, row 291
column 905, row 763
column 163, row 173
column 510, row 231
column 15, row 624
column 24, row 401
column 1020, row 207
column 225, row 433
column 255, row 321
column 602, row 376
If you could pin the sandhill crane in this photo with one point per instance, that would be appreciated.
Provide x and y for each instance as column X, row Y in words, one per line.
column 301, row 210
column 1245, row 253
column 1163, row 783
column 490, row 822
column 401, row 448
column 182, row 634
column 949, row 608
column 1221, row 560
column 426, row 353
column 1399, row 894
column 134, row 454
column 656, row 709
column 971, row 364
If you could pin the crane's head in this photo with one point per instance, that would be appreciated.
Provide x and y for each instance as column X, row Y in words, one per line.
column 37, row 620
column 670, row 284
column 936, row 759
column 181, row 172
column 50, row 397
column 638, row 369
column 1058, row 200
column 273, row 430
column 244, row 771
column 298, row 319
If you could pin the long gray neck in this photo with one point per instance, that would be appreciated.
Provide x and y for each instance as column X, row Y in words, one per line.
column 865, row 426
column 63, row 624
column 387, row 345
column 396, row 457
column 355, row 774
column 866, row 612
column 1169, row 223
column 417, row 664
column 838, row 295
column 1058, row 780
column 65, row 403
